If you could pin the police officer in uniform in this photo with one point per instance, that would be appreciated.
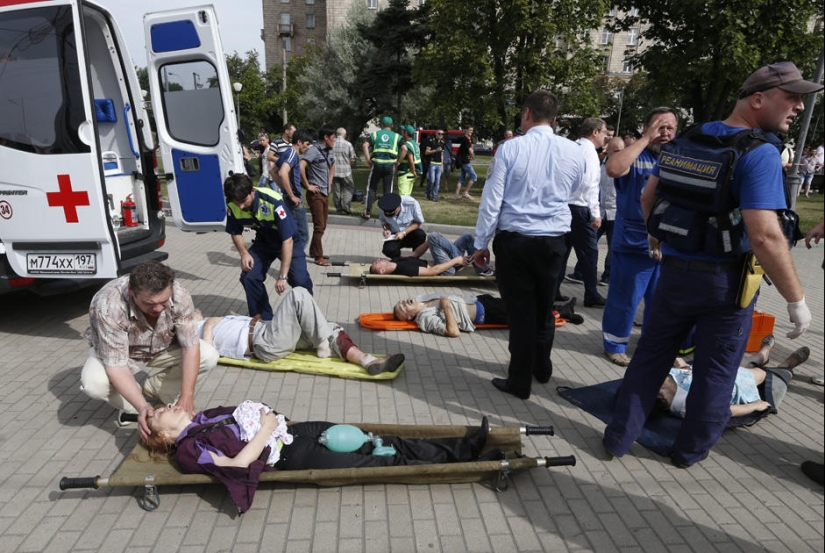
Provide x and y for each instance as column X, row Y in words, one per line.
column 381, row 153
column 263, row 209
column 705, row 247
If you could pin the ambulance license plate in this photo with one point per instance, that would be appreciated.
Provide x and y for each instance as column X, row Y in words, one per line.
column 61, row 263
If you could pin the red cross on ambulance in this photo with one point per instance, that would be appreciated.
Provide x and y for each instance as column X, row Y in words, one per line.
column 67, row 198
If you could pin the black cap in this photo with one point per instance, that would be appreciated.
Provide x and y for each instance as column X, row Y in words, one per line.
column 389, row 202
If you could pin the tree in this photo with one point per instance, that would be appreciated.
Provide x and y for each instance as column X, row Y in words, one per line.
column 484, row 58
column 703, row 50
column 255, row 104
column 386, row 73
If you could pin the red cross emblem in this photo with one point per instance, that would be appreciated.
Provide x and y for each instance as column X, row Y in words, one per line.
column 67, row 198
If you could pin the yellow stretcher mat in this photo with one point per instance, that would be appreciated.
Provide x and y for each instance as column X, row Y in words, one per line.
column 309, row 363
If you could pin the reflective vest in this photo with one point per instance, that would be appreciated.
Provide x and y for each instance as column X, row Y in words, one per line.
column 413, row 147
column 695, row 210
column 265, row 211
column 384, row 147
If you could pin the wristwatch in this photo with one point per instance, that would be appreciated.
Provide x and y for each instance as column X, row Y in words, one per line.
column 281, row 277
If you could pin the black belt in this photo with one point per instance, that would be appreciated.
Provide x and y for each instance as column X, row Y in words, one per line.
column 701, row 266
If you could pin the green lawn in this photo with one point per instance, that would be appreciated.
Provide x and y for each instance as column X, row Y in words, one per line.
column 810, row 210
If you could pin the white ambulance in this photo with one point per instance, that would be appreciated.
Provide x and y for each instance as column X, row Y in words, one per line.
column 79, row 198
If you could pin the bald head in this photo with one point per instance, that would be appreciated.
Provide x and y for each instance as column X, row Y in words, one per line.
column 615, row 144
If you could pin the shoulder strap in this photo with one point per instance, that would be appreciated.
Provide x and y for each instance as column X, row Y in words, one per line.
column 207, row 428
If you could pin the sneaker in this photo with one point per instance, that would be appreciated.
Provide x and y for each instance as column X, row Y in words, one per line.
column 125, row 420
column 573, row 277
column 819, row 380
column 390, row 363
column 488, row 272
column 603, row 282
column 620, row 359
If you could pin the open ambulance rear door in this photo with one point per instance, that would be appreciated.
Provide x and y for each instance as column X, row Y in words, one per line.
column 54, row 212
column 196, row 122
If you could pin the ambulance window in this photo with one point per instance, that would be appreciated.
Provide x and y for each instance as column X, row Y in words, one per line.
column 41, row 101
column 192, row 102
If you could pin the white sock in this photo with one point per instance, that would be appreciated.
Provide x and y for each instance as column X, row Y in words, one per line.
column 367, row 359
column 323, row 351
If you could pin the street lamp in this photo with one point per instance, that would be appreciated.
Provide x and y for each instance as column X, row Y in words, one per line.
column 238, row 87
column 620, row 96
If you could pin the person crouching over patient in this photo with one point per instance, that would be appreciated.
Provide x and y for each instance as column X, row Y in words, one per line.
column 297, row 324
column 450, row 315
column 236, row 444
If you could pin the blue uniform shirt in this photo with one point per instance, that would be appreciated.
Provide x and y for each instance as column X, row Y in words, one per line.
column 291, row 158
column 629, row 230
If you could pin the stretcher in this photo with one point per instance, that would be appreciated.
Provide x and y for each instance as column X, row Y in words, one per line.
column 361, row 272
column 140, row 468
column 387, row 321
column 308, row 362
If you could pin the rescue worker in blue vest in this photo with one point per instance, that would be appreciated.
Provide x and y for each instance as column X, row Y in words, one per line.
column 264, row 210
column 381, row 153
column 707, row 239
column 408, row 165
column 633, row 273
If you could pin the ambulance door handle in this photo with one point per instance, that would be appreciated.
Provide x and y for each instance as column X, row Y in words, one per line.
column 126, row 109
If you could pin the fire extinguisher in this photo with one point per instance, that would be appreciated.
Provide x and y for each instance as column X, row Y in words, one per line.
column 129, row 212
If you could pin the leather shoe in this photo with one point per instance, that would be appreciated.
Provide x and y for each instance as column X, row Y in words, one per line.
column 597, row 302
column 562, row 299
column 502, row 385
column 814, row 471
column 679, row 464
column 543, row 377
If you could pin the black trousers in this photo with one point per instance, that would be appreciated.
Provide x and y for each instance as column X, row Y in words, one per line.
column 495, row 311
column 526, row 271
column 306, row 453
column 379, row 173
column 392, row 248
column 582, row 238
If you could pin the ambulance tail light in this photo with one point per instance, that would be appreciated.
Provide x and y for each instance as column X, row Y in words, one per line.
column 21, row 282
column 161, row 242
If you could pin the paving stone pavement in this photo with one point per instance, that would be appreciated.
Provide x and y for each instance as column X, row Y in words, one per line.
column 749, row 495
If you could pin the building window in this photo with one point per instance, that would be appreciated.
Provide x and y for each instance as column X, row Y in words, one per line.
column 607, row 36
column 372, row 4
column 421, row 2
column 310, row 21
column 612, row 12
column 632, row 37
column 627, row 67
column 287, row 43
column 634, row 12
column 310, row 1
column 284, row 1
column 285, row 19
column 606, row 63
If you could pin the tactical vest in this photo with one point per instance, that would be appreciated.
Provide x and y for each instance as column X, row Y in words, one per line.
column 413, row 147
column 696, row 211
column 385, row 146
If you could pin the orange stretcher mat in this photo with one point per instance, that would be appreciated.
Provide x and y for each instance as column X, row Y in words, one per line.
column 386, row 321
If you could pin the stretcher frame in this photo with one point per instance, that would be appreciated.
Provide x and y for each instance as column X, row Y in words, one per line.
column 361, row 271
column 140, row 468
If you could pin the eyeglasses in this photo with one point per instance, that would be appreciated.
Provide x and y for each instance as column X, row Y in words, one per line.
column 439, row 134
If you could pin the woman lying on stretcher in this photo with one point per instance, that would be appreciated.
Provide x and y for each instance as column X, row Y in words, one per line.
column 236, row 444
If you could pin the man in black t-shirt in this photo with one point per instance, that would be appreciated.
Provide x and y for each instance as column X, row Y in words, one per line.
column 412, row 266
column 463, row 157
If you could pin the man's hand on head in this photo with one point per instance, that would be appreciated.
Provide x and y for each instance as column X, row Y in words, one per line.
column 144, row 414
